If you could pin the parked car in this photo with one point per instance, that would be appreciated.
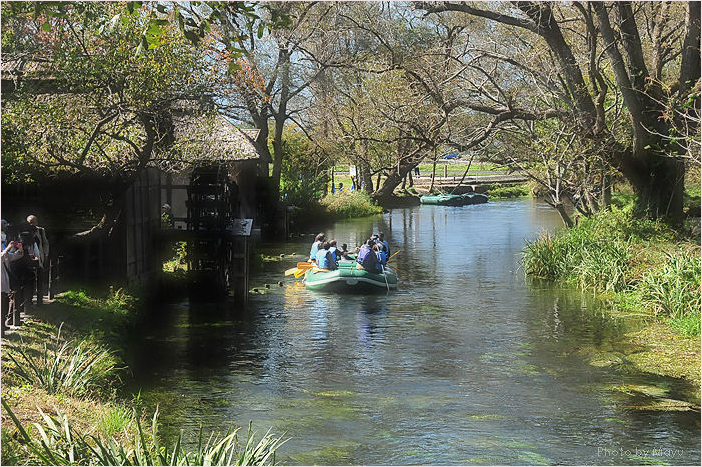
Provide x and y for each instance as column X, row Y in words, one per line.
column 453, row 155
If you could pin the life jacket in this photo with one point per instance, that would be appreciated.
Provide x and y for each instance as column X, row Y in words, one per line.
column 367, row 258
column 382, row 257
column 322, row 259
column 315, row 249
column 335, row 253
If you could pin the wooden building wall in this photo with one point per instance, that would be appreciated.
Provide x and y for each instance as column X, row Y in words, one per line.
column 141, row 218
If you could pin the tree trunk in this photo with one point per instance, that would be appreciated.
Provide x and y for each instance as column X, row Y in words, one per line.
column 394, row 178
column 659, row 186
column 261, row 145
column 433, row 173
column 567, row 220
column 657, row 177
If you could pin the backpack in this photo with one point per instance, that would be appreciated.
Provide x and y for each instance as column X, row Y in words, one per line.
column 367, row 258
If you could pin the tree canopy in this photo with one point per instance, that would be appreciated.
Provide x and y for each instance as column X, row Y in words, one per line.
column 575, row 94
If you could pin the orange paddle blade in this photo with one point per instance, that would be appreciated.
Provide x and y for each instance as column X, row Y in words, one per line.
column 299, row 273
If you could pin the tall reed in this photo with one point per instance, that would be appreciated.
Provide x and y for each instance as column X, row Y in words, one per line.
column 615, row 252
column 674, row 291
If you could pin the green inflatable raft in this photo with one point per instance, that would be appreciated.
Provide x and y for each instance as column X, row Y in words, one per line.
column 349, row 279
column 454, row 200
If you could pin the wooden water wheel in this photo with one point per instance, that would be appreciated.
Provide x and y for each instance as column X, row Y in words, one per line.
column 210, row 213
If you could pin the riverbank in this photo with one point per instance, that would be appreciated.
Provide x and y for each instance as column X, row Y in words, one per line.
column 641, row 270
column 62, row 376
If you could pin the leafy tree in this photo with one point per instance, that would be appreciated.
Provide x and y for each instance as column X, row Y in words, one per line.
column 271, row 78
column 96, row 102
column 578, row 86
column 304, row 171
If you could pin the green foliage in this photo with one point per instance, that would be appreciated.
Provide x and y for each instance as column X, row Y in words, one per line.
column 642, row 261
column 515, row 191
column 117, row 100
column 57, row 442
column 117, row 302
column 303, row 174
column 351, row 204
column 673, row 290
column 63, row 366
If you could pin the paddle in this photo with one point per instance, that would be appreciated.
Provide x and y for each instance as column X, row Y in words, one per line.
column 300, row 269
column 299, row 273
column 393, row 254
column 386, row 277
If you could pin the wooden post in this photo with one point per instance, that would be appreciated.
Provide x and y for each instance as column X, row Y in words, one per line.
column 433, row 172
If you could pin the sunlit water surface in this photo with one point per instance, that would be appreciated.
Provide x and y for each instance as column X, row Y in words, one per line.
column 467, row 363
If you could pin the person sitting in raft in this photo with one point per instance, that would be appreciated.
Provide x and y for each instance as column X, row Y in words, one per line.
column 325, row 258
column 318, row 240
column 367, row 258
column 381, row 253
column 381, row 237
column 343, row 252
column 334, row 250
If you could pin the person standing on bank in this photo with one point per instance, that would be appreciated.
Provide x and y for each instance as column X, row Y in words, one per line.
column 12, row 252
column 42, row 255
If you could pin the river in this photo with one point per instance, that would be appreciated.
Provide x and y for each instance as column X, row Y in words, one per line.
column 467, row 363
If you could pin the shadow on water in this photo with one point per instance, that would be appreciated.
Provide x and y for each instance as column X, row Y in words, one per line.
column 466, row 364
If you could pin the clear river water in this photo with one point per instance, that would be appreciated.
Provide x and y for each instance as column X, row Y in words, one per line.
column 467, row 363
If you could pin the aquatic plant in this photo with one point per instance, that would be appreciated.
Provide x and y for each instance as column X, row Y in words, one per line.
column 62, row 366
column 56, row 442
column 674, row 291
column 645, row 262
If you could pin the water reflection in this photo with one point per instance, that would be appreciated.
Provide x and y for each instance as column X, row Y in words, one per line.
column 465, row 364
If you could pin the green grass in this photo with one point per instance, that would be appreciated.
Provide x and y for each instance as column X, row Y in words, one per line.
column 646, row 264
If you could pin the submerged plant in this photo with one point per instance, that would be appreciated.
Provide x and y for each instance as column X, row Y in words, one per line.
column 57, row 442
column 62, row 366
